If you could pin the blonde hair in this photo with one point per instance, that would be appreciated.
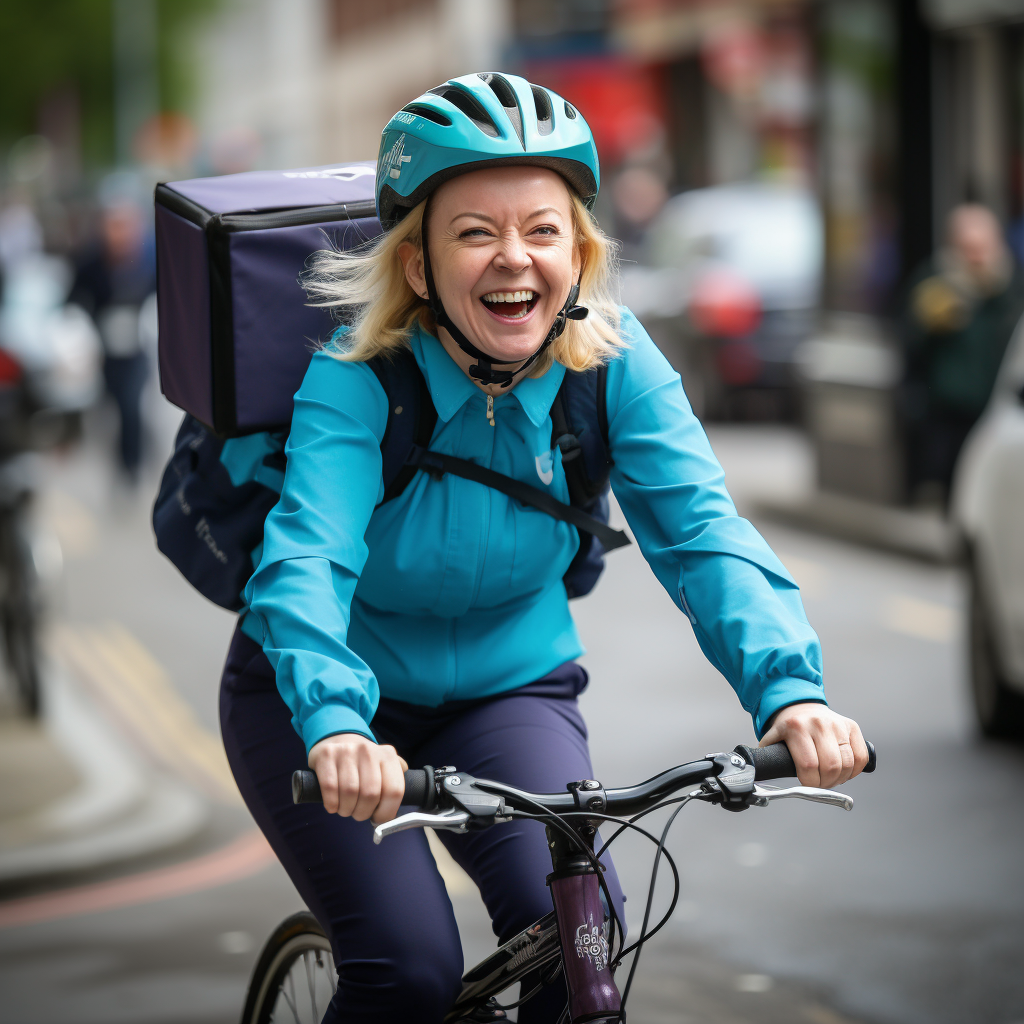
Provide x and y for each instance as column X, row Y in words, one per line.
column 370, row 281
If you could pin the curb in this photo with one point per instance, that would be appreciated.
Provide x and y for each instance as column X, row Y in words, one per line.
column 122, row 809
column 921, row 535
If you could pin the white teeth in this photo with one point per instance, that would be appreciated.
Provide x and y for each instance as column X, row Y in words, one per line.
column 526, row 295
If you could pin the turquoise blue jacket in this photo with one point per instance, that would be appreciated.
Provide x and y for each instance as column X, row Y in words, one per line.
column 454, row 590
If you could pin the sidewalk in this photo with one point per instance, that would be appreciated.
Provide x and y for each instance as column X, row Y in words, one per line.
column 770, row 472
column 74, row 795
column 917, row 534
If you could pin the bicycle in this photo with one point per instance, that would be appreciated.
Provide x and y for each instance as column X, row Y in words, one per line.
column 294, row 977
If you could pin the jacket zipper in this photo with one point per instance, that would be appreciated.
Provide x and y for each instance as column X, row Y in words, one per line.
column 490, row 409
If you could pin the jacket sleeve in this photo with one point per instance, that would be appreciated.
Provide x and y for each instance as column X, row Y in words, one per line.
column 314, row 551
column 744, row 606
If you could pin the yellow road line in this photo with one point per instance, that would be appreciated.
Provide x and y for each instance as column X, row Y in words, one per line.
column 130, row 681
column 924, row 620
column 134, row 684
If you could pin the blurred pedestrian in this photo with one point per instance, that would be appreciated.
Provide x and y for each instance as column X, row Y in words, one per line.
column 114, row 278
column 638, row 195
column 962, row 308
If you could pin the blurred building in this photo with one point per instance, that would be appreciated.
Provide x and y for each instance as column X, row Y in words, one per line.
column 286, row 83
column 720, row 91
column 877, row 115
column 920, row 109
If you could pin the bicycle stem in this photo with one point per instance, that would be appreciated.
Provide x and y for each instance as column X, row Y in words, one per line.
column 582, row 928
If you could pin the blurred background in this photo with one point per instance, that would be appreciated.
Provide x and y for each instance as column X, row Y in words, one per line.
column 820, row 206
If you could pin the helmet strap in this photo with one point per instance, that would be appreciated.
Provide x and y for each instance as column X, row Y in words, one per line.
column 483, row 369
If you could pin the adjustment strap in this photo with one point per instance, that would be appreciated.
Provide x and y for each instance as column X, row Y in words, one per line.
column 437, row 465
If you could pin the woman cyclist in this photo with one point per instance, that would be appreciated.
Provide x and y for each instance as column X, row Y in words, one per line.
column 434, row 628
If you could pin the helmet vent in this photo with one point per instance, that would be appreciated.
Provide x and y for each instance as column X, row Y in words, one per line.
column 506, row 96
column 570, row 113
column 545, row 116
column 428, row 113
column 470, row 106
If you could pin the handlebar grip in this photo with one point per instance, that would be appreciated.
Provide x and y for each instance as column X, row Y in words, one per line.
column 306, row 788
column 775, row 762
column 419, row 788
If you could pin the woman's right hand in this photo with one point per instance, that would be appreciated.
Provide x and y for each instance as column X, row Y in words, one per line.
column 358, row 778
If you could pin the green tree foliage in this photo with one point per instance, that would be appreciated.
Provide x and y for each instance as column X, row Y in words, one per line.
column 52, row 45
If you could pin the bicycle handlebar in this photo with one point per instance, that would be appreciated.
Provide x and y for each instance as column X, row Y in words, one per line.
column 776, row 762
column 771, row 762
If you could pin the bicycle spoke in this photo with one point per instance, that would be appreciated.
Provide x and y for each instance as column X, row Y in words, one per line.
column 290, row 1001
column 309, row 960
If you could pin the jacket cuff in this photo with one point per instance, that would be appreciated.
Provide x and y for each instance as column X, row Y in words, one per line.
column 779, row 694
column 330, row 720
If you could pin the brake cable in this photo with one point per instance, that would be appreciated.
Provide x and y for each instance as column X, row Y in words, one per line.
column 625, row 824
column 556, row 820
column 650, row 902
column 559, row 821
column 661, row 852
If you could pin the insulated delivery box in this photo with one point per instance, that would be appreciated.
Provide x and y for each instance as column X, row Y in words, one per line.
column 236, row 334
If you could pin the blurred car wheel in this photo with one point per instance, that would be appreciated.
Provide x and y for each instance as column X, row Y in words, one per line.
column 999, row 709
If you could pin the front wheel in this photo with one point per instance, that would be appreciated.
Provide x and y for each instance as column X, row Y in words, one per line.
column 294, row 979
column 999, row 709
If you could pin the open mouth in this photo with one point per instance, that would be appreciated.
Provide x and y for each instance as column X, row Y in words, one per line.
column 510, row 305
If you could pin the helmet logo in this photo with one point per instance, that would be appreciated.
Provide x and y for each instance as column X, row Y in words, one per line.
column 391, row 165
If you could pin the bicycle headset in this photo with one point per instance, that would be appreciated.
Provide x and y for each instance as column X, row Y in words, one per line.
column 467, row 124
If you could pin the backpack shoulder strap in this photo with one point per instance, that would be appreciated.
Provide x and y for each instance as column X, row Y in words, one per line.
column 411, row 418
column 579, row 427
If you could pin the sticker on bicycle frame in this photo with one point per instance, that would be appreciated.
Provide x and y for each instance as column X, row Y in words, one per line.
column 592, row 944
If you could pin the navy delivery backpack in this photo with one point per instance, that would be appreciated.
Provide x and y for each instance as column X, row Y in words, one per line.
column 235, row 340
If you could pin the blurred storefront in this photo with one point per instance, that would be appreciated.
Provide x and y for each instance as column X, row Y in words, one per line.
column 881, row 115
column 286, row 83
column 920, row 110
column 704, row 116
column 722, row 90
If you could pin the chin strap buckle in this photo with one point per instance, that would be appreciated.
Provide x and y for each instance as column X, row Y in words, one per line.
column 486, row 374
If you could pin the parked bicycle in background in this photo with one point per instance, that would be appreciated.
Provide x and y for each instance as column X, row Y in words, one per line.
column 49, row 374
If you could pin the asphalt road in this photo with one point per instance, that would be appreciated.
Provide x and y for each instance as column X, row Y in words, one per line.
column 910, row 909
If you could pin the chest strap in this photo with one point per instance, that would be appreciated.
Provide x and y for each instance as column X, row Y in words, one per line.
column 437, row 465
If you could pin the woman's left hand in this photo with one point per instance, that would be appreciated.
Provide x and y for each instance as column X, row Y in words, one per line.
column 826, row 748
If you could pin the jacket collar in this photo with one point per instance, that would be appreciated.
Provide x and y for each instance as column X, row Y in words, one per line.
column 450, row 388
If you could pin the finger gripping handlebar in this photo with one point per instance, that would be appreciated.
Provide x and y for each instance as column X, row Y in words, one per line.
column 419, row 788
column 775, row 762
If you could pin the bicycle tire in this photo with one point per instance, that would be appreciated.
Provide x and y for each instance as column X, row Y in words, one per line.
column 999, row 710
column 20, row 611
column 299, row 939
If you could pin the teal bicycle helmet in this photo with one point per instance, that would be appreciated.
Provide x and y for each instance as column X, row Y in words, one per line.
column 473, row 122
column 486, row 120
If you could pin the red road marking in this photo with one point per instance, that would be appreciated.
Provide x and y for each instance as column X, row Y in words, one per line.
column 247, row 855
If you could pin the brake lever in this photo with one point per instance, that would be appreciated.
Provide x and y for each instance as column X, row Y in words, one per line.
column 764, row 794
column 451, row 820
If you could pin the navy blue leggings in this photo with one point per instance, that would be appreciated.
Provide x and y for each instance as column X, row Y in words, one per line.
column 385, row 908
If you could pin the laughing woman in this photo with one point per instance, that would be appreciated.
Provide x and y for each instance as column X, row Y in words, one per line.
column 434, row 628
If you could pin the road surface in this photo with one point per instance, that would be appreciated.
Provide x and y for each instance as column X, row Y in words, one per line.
column 908, row 910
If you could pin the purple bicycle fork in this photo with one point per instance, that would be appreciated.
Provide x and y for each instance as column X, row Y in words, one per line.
column 583, row 928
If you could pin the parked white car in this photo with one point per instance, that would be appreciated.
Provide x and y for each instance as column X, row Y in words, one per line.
column 988, row 508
